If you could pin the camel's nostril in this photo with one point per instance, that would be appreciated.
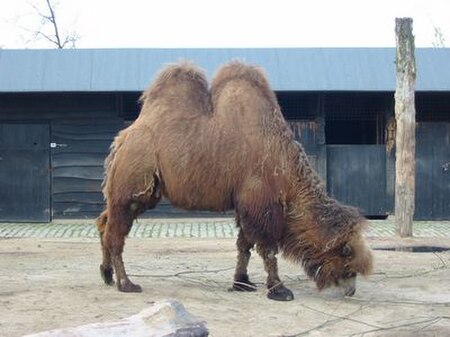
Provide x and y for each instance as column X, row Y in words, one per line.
column 350, row 291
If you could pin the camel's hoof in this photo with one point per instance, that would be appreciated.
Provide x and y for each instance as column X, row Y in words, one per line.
column 107, row 275
column 280, row 293
column 129, row 287
column 242, row 283
column 244, row 286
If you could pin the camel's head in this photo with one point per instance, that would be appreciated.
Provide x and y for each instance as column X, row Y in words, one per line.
column 332, row 248
column 339, row 261
column 340, row 265
column 327, row 238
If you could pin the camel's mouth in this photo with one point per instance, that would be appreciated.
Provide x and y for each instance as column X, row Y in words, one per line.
column 347, row 286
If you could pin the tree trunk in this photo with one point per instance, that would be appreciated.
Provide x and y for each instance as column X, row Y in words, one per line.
column 405, row 115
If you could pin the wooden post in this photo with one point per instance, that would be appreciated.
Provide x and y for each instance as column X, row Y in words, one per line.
column 405, row 115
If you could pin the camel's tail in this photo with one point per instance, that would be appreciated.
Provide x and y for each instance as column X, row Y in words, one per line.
column 110, row 167
column 101, row 221
column 110, row 164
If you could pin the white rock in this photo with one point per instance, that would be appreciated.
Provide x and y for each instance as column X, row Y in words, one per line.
column 164, row 319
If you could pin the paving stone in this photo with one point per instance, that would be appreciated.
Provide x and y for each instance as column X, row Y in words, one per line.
column 187, row 227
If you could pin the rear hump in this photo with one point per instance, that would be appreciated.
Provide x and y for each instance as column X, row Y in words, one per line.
column 237, row 70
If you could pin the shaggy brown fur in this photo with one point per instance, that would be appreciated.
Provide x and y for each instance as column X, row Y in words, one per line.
column 229, row 148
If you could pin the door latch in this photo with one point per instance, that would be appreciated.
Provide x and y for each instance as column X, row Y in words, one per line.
column 56, row 145
column 446, row 167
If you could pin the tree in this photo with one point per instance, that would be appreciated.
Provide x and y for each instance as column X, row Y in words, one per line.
column 405, row 115
column 49, row 28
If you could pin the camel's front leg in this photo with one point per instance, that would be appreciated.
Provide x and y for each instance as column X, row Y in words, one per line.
column 241, row 279
column 277, row 291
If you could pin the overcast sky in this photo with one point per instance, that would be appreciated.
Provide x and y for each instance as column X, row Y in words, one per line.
column 228, row 23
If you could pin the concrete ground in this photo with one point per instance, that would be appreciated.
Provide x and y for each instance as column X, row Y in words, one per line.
column 50, row 279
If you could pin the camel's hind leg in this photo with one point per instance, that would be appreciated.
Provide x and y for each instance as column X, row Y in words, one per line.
column 118, row 226
column 106, row 269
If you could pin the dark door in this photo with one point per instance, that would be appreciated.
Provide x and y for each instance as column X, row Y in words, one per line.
column 307, row 133
column 356, row 175
column 432, row 171
column 24, row 172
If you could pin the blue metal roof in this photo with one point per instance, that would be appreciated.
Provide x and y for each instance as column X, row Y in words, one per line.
column 302, row 69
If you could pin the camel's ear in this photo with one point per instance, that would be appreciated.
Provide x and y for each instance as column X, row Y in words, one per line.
column 346, row 251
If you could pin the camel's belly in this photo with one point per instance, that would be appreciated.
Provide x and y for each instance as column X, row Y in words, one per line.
column 208, row 197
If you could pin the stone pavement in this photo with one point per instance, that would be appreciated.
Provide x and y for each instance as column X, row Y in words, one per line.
column 190, row 227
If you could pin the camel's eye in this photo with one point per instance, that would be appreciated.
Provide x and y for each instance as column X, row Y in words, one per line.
column 335, row 227
column 350, row 274
column 346, row 250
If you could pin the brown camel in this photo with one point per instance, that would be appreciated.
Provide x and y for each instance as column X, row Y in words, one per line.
column 229, row 148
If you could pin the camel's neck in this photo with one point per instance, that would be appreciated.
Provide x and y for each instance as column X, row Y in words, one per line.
column 312, row 214
column 308, row 188
column 317, row 219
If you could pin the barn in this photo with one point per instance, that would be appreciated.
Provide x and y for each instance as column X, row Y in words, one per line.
column 60, row 109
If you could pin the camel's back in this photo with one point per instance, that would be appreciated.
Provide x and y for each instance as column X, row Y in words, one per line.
column 206, row 148
column 176, row 114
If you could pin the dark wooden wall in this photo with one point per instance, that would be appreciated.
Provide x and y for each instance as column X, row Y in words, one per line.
column 82, row 126
column 24, row 172
column 432, row 171
column 77, row 162
column 356, row 175
column 310, row 133
column 57, row 106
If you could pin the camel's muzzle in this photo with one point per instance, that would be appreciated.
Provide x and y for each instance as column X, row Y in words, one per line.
column 348, row 286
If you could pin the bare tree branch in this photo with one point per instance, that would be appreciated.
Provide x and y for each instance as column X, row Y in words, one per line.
column 48, row 18
column 439, row 38
column 52, row 19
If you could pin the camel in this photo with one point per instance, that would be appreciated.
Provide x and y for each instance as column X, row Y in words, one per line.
column 228, row 147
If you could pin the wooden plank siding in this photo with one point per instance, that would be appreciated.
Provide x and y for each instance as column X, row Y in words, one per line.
column 77, row 162
column 310, row 133
column 24, row 172
column 86, row 123
column 357, row 176
column 432, row 171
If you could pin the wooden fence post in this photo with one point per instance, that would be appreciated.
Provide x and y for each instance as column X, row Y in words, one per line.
column 405, row 115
